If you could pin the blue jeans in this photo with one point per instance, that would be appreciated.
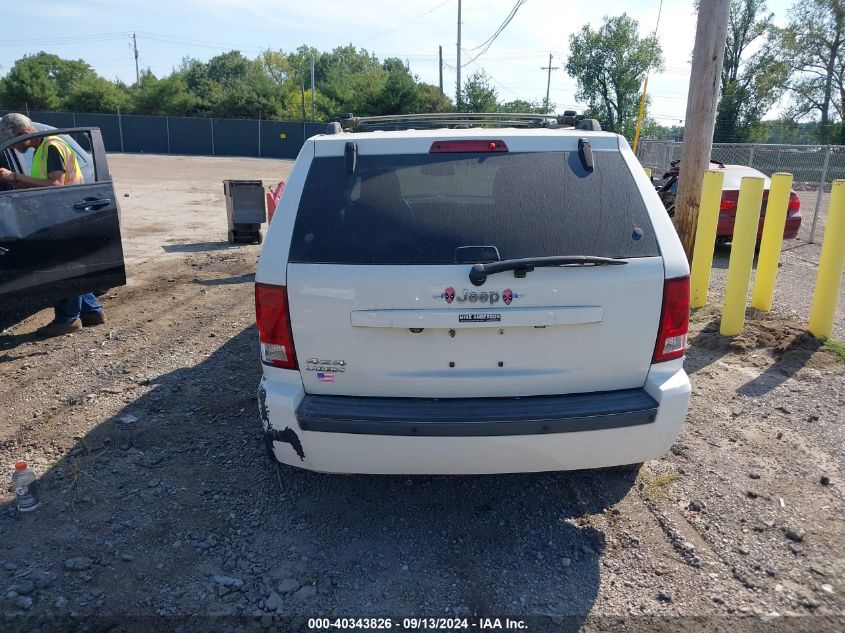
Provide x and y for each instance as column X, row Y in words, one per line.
column 68, row 311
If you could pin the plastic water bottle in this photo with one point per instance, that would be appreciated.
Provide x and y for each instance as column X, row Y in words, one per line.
column 25, row 484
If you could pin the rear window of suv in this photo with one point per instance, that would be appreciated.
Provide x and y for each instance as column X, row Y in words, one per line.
column 421, row 208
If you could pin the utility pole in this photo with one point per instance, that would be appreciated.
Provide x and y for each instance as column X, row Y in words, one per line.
column 137, row 72
column 458, row 99
column 550, row 68
column 313, row 117
column 707, row 58
column 304, row 116
column 440, row 57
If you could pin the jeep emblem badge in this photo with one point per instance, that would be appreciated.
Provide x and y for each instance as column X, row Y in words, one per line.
column 491, row 297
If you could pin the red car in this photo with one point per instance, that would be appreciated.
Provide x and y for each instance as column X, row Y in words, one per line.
column 730, row 195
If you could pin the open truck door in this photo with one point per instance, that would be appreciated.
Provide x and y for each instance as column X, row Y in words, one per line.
column 58, row 241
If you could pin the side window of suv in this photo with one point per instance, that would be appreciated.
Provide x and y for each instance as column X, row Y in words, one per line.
column 54, row 160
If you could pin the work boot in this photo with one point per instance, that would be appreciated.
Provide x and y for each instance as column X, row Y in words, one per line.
column 91, row 319
column 58, row 328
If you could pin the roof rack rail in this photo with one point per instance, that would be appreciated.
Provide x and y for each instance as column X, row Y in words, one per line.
column 351, row 123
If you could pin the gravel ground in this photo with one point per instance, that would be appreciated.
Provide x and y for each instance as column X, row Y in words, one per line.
column 160, row 509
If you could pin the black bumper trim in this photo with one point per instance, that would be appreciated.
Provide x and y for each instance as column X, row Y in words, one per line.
column 468, row 417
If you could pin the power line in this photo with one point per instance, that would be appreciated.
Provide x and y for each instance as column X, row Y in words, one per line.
column 74, row 39
column 59, row 38
column 485, row 46
column 170, row 39
column 399, row 26
column 502, row 26
column 493, row 79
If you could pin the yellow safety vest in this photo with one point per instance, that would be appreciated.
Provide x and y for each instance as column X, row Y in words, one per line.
column 73, row 174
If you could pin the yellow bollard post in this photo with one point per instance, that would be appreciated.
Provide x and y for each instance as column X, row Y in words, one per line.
column 647, row 171
column 767, row 260
column 831, row 264
column 742, row 255
column 705, row 237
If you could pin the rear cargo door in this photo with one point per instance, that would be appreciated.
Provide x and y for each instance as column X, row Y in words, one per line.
column 378, row 275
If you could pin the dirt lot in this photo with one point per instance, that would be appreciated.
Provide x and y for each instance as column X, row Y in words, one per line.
column 159, row 508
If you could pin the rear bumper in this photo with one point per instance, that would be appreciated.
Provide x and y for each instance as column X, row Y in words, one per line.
column 725, row 226
column 480, row 436
column 476, row 417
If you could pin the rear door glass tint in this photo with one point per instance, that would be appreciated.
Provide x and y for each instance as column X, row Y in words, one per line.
column 421, row 208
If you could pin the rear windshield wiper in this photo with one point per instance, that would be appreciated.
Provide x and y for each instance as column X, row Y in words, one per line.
column 479, row 272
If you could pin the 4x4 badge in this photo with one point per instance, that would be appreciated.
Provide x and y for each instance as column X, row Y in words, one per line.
column 492, row 297
column 325, row 366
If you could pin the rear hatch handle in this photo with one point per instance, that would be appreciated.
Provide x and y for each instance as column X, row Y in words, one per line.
column 479, row 272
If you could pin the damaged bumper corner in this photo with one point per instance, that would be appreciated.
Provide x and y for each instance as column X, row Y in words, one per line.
column 281, row 435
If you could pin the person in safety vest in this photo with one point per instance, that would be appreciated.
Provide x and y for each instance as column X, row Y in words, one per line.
column 54, row 164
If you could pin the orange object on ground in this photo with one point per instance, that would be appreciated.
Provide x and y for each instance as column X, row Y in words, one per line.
column 273, row 200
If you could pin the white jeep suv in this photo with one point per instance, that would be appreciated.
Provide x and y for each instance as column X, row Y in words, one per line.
column 466, row 300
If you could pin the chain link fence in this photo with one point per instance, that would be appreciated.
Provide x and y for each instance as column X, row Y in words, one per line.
column 814, row 168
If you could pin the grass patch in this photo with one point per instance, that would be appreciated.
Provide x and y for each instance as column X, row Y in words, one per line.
column 704, row 314
column 654, row 487
column 835, row 347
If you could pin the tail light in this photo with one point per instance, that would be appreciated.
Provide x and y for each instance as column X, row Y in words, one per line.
column 728, row 203
column 273, row 320
column 674, row 321
column 794, row 203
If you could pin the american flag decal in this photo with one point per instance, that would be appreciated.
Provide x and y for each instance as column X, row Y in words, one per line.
column 323, row 376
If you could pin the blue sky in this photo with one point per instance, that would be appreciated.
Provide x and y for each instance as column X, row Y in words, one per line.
column 99, row 31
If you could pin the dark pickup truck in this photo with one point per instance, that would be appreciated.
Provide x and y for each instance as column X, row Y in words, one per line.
column 56, row 242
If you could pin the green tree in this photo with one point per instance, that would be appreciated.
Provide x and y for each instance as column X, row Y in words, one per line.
column 478, row 94
column 42, row 81
column 653, row 130
column 29, row 86
column 751, row 83
column 400, row 93
column 520, row 105
column 298, row 64
column 206, row 92
column 609, row 65
column 95, row 94
column 167, row 96
column 351, row 78
column 433, row 100
column 231, row 85
column 815, row 38
column 291, row 104
column 277, row 65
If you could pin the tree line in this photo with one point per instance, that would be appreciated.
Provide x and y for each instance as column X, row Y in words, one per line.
column 274, row 85
column 803, row 62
